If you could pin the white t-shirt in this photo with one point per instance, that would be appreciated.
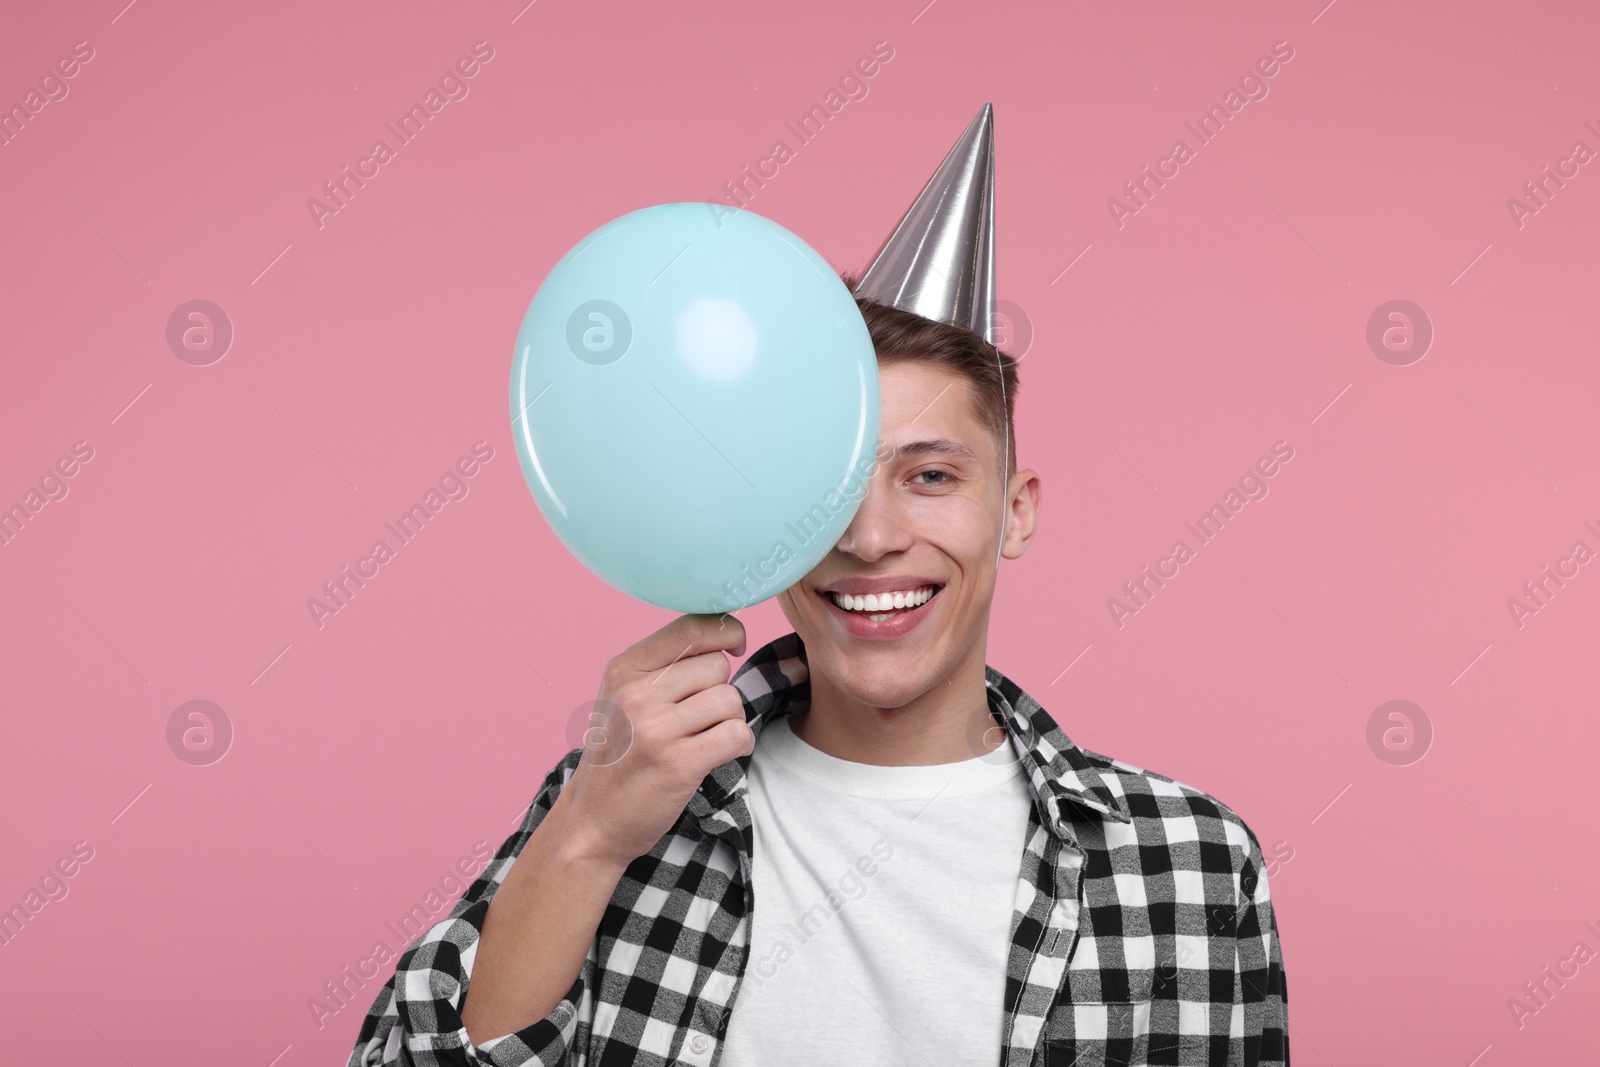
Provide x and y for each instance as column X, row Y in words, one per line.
column 883, row 899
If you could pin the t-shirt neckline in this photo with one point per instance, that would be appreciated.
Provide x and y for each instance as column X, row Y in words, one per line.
column 980, row 774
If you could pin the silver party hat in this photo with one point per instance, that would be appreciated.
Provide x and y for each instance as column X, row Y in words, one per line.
column 939, row 261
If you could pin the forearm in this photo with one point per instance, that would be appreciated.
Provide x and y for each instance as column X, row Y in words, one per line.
column 539, row 927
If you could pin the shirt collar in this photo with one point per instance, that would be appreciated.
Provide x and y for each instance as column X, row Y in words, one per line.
column 775, row 681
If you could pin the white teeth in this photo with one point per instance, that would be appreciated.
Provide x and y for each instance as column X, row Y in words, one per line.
column 883, row 602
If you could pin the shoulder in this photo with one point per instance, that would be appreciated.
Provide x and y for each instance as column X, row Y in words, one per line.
column 1163, row 809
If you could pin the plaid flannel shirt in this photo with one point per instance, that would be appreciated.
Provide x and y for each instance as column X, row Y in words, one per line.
column 1142, row 932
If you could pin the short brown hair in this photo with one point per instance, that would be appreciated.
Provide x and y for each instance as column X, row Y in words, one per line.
column 901, row 335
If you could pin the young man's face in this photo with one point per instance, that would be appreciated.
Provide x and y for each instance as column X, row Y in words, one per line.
column 931, row 520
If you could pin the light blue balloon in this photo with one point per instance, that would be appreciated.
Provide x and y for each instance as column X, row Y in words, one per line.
column 694, row 398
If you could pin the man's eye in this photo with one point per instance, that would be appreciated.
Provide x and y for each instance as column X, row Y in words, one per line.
column 942, row 476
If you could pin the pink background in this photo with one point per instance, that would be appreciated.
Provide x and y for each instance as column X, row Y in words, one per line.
column 1229, row 313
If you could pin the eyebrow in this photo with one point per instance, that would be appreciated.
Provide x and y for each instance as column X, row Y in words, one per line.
column 937, row 446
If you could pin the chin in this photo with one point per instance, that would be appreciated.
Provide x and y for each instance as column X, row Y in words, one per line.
column 878, row 677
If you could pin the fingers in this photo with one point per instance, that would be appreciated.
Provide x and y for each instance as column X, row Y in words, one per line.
column 687, row 635
column 729, row 739
column 707, row 709
column 679, row 680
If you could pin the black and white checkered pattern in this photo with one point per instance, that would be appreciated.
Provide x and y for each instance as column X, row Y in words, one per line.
column 1143, row 931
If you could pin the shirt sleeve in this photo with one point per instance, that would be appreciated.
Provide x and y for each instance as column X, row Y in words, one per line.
column 1260, row 993
column 415, row 1020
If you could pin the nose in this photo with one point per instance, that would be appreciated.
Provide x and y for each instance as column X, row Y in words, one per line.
column 878, row 527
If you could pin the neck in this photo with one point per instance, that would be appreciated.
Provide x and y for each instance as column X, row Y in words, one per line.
column 948, row 723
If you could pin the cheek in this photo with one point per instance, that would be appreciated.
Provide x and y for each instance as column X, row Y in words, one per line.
column 962, row 528
column 786, row 604
column 957, row 516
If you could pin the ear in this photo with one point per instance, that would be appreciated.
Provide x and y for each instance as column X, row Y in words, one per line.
column 1023, row 497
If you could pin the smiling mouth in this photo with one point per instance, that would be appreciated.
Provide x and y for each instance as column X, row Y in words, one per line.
column 879, row 607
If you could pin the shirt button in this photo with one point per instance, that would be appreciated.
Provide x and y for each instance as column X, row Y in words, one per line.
column 699, row 1042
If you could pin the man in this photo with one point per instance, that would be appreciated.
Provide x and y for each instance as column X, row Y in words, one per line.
column 867, row 846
